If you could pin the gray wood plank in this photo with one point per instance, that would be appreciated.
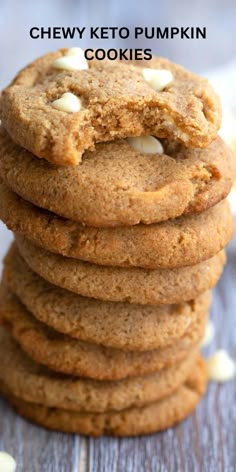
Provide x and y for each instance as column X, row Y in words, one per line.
column 205, row 442
column 35, row 449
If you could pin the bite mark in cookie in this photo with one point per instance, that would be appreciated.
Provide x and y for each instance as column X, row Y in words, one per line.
column 118, row 102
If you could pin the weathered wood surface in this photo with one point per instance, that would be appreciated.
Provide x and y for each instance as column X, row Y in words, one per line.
column 206, row 442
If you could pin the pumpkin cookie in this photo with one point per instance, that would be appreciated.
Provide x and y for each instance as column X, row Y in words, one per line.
column 107, row 100
column 116, row 185
column 71, row 356
column 133, row 285
column 35, row 383
column 175, row 243
column 132, row 421
column 120, row 325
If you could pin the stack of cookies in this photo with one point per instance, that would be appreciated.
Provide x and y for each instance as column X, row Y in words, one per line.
column 120, row 231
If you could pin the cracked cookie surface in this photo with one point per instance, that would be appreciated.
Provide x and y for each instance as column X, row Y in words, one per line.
column 116, row 185
column 133, row 285
column 132, row 421
column 72, row 356
column 35, row 383
column 119, row 325
column 170, row 244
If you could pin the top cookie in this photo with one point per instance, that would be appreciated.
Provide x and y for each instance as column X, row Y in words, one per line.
column 116, row 100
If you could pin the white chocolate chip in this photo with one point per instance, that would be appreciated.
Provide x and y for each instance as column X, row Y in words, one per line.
column 209, row 334
column 73, row 60
column 232, row 200
column 74, row 52
column 7, row 463
column 157, row 79
column 68, row 102
column 221, row 367
column 146, row 145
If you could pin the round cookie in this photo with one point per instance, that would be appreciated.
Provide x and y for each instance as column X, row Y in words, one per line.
column 120, row 325
column 174, row 243
column 116, row 102
column 34, row 383
column 70, row 356
column 134, row 285
column 116, row 185
column 134, row 421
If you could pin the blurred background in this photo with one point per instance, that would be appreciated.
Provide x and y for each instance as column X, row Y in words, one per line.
column 219, row 17
column 214, row 57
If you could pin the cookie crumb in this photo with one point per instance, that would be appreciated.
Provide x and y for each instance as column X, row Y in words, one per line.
column 221, row 367
column 7, row 462
column 158, row 79
column 146, row 145
column 209, row 334
column 68, row 103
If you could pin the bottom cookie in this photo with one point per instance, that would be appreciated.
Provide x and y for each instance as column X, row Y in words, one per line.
column 34, row 383
column 130, row 422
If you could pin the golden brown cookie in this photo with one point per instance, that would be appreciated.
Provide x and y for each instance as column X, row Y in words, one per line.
column 119, row 325
column 179, row 242
column 71, row 356
column 134, row 285
column 116, row 102
column 116, row 185
column 133, row 421
column 34, row 383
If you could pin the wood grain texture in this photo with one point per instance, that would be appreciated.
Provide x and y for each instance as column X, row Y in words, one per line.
column 203, row 443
